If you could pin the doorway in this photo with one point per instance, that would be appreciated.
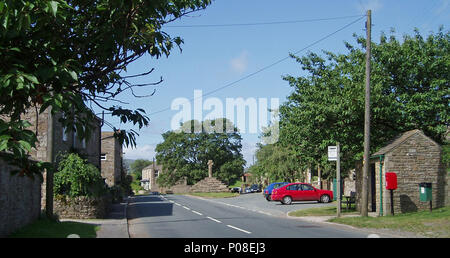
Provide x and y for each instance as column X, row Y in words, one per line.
column 373, row 193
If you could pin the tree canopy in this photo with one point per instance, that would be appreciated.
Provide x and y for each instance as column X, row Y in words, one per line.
column 72, row 55
column 185, row 153
column 409, row 90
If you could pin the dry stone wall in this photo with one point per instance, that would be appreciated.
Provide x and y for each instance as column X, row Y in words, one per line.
column 20, row 200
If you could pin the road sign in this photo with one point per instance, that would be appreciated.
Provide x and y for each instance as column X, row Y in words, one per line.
column 332, row 153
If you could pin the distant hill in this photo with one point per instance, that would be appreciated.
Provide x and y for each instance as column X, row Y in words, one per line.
column 127, row 163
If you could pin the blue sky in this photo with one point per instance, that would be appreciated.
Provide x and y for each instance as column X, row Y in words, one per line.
column 213, row 57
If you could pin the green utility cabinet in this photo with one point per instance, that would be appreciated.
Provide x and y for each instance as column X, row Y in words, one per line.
column 425, row 192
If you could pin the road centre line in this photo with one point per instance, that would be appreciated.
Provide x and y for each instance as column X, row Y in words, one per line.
column 245, row 231
column 213, row 219
column 187, row 208
column 196, row 212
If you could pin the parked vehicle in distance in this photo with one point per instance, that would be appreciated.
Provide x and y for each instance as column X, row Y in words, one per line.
column 268, row 190
column 301, row 192
column 255, row 188
column 235, row 190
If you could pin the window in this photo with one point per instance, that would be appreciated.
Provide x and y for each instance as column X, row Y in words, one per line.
column 103, row 156
column 65, row 134
column 156, row 173
column 307, row 188
column 293, row 187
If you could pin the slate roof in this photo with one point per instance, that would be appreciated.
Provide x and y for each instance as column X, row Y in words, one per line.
column 398, row 141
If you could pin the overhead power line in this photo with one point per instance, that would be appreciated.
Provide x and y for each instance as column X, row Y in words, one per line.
column 261, row 23
column 270, row 65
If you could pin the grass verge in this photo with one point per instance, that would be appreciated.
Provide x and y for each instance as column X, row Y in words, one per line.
column 45, row 228
column 426, row 223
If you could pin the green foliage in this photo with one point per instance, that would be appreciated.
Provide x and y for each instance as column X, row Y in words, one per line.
column 446, row 156
column 277, row 163
column 409, row 90
column 137, row 166
column 62, row 54
column 185, row 153
column 76, row 177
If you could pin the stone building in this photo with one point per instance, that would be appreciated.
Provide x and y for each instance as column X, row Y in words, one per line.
column 149, row 176
column 415, row 158
column 111, row 158
column 63, row 140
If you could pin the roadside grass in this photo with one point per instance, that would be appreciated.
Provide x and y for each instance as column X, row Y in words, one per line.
column 426, row 223
column 45, row 228
column 215, row 195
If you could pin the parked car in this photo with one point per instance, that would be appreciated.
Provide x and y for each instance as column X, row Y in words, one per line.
column 236, row 190
column 255, row 188
column 300, row 192
column 268, row 190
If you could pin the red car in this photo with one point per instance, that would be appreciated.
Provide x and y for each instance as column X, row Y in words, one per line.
column 300, row 192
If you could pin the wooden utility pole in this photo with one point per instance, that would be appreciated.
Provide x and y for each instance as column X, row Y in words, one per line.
column 49, row 173
column 338, row 176
column 366, row 162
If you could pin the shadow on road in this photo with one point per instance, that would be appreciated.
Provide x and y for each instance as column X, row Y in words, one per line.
column 148, row 206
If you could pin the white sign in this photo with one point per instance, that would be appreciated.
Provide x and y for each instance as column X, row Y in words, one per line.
column 332, row 153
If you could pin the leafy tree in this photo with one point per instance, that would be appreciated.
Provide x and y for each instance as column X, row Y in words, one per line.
column 277, row 163
column 137, row 166
column 76, row 177
column 185, row 153
column 71, row 55
column 409, row 90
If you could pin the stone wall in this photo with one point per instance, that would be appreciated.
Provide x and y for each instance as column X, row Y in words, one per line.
column 111, row 167
column 19, row 200
column 81, row 207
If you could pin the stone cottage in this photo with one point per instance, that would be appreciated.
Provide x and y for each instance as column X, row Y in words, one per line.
column 415, row 158
column 111, row 158
column 63, row 140
column 149, row 176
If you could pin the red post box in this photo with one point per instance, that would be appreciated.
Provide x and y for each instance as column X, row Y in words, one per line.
column 391, row 181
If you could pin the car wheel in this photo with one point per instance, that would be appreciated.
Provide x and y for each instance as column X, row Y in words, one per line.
column 287, row 200
column 268, row 198
column 325, row 198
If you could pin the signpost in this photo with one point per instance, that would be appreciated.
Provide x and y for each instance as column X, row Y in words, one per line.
column 334, row 155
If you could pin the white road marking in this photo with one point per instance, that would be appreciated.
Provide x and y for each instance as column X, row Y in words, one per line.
column 198, row 213
column 245, row 231
column 177, row 204
column 186, row 208
column 213, row 219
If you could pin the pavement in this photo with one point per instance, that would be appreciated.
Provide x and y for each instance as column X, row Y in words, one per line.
column 114, row 225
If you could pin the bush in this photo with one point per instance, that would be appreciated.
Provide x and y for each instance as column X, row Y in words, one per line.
column 76, row 177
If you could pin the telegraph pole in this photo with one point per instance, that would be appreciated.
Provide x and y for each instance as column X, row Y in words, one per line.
column 49, row 173
column 338, row 176
column 366, row 161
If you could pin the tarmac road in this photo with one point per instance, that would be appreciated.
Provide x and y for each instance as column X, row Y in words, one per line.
column 179, row 216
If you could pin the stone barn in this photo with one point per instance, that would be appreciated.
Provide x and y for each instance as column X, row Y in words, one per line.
column 415, row 158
